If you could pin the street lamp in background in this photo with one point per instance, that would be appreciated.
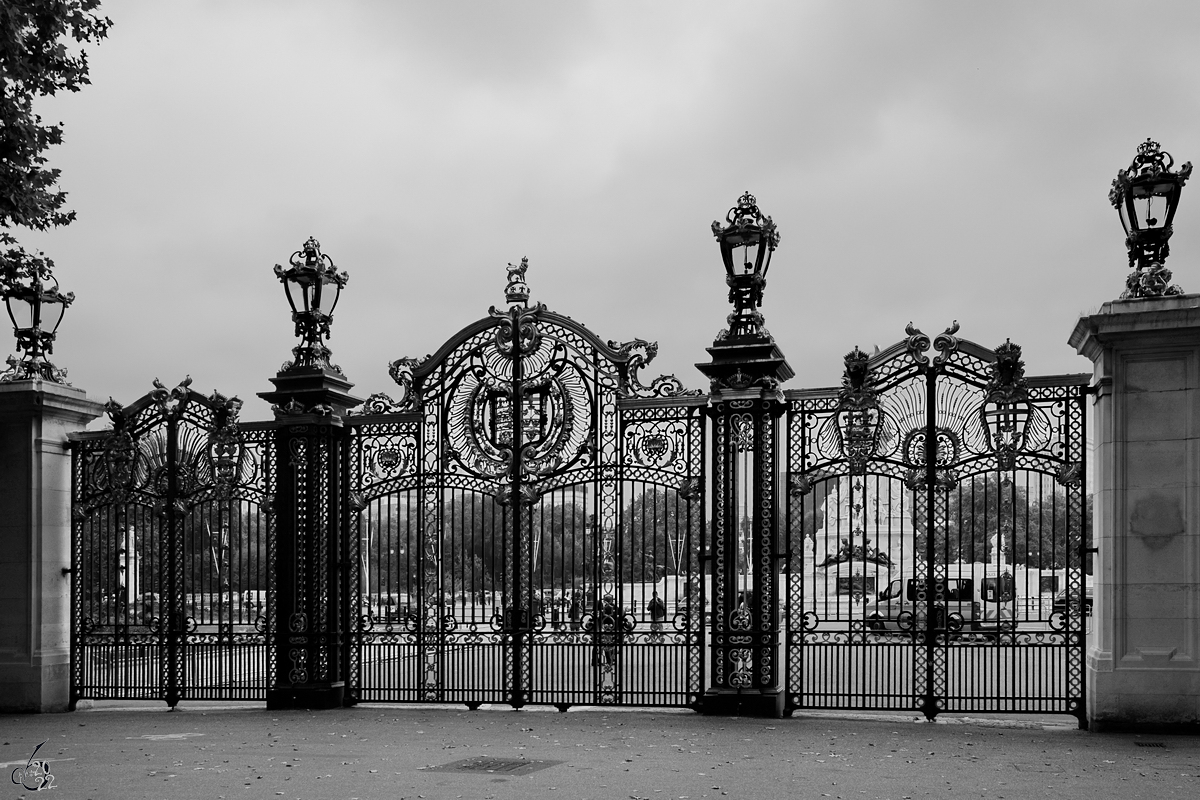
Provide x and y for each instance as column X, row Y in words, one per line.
column 1146, row 196
column 36, row 307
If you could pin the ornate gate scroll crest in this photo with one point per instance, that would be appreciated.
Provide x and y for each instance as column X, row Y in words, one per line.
column 533, row 444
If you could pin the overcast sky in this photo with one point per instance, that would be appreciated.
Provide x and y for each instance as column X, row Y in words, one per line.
column 923, row 161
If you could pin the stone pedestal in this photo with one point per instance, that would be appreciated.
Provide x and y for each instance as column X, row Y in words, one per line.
column 35, row 541
column 1143, row 661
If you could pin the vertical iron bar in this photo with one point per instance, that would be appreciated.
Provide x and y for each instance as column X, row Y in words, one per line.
column 175, row 583
column 929, row 704
column 519, row 609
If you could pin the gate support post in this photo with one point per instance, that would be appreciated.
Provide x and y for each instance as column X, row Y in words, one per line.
column 35, row 541
column 1143, row 658
column 310, row 571
column 747, row 670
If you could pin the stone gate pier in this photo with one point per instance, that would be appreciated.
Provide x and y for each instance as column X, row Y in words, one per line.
column 1143, row 661
column 35, row 541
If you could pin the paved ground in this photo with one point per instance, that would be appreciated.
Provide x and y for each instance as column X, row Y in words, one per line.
column 394, row 752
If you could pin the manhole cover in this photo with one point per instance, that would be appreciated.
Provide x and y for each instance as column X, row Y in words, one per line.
column 507, row 766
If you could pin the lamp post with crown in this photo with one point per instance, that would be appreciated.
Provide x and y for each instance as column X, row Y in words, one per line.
column 1146, row 195
column 745, row 405
column 36, row 307
column 314, row 502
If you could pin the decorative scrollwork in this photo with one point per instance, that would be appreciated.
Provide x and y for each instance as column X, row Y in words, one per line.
column 855, row 553
column 741, row 432
column 294, row 408
column 690, row 489
column 917, row 344
column 226, row 452
column 739, row 617
column 1070, row 474
column 1005, row 412
column 1153, row 280
column 638, row 354
column 946, row 343
column 401, row 371
column 519, row 336
column 800, row 485
column 378, row 403
column 858, row 416
column 740, row 672
column 947, row 449
column 171, row 402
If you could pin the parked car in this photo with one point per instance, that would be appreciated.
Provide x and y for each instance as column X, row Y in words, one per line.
column 1064, row 607
column 961, row 607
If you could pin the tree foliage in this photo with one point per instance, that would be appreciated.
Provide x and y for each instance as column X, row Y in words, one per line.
column 475, row 553
column 1028, row 520
column 37, row 59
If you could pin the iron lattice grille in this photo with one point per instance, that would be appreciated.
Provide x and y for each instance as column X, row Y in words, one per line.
column 936, row 523
column 172, row 553
column 563, row 575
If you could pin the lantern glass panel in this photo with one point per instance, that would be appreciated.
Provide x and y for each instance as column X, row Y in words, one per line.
column 21, row 310
column 745, row 257
column 330, row 298
column 1150, row 211
column 317, row 295
column 305, row 288
column 52, row 314
column 287, row 288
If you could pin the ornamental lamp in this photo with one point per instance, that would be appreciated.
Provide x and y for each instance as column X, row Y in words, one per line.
column 305, row 283
column 747, row 240
column 36, row 307
column 1146, row 196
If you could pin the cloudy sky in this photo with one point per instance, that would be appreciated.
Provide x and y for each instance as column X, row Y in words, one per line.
column 923, row 161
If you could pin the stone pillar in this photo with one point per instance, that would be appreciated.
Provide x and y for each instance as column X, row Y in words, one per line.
column 310, row 640
column 1143, row 660
column 35, row 541
column 745, row 406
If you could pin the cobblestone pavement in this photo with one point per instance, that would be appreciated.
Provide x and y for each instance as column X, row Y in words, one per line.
column 427, row 753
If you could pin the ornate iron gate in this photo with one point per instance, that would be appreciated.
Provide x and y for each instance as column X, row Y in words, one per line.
column 172, row 552
column 529, row 523
column 937, row 532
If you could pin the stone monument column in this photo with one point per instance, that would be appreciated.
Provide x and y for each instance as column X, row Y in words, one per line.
column 35, row 541
column 1143, row 659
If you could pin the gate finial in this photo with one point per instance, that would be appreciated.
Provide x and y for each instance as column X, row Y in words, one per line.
column 517, row 290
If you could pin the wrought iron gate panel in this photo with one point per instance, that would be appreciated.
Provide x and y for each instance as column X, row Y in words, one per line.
column 937, row 525
column 522, row 504
column 172, row 556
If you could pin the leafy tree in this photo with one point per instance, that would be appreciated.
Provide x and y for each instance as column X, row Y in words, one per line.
column 1026, row 519
column 36, row 61
column 655, row 540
